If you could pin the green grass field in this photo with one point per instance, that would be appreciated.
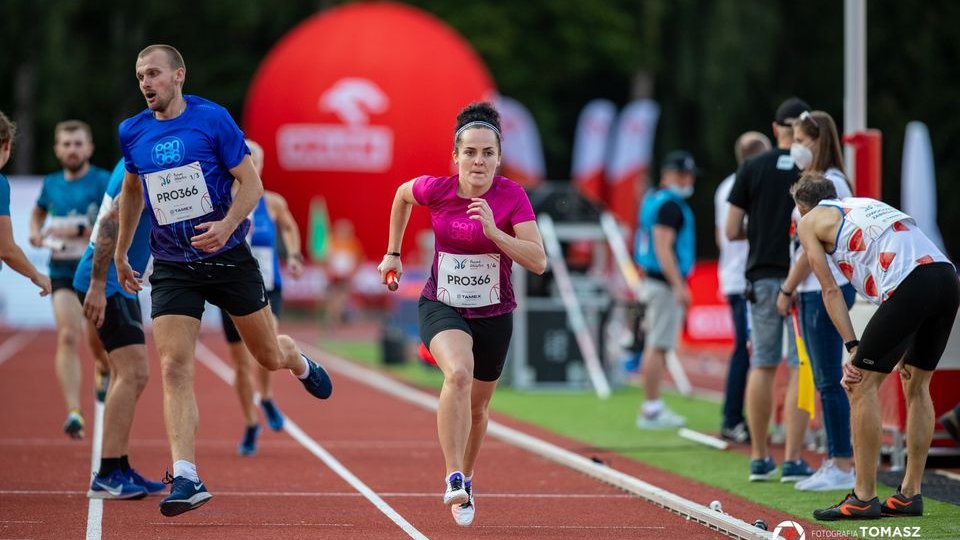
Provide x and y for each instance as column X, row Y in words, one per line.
column 610, row 424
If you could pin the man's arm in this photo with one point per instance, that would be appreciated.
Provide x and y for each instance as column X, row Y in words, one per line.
column 810, row 229
column 11, row 254
column 735, row 229
column 214, row 235
column 277, row 207
column 663, row 240
column 130, row 204
column 95, row 302
column 37, row 218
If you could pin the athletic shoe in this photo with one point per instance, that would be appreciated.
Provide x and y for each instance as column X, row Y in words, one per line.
column 827, row 478
column 662, row 419
column 248, row 446
column 149, row 485
column 794, row 470
column 101, row 383
column 850, row 508
column 318, row 383
column 273, row 414
column 738, row 433
column 115, row 485
column 762, row 469
column 185, row 495
column 951, row 423
column 464, row 513
column 74, row 424
column 456, row 493
column 899, row 504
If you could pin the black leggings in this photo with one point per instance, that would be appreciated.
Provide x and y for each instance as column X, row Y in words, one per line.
column 914, row 323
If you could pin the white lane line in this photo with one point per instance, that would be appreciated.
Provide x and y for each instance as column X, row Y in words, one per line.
column 14, row 343
column 347, row 494
column 95, row 506
column 684, row 507
column 246, row 524
column 222, row 370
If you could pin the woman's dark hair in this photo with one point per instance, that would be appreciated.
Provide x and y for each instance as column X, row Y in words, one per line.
column 481, row 112
column 812, row 188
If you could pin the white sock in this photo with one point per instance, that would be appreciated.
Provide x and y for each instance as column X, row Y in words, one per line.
column 185, row 469
column 652, row 407
column 306, row 372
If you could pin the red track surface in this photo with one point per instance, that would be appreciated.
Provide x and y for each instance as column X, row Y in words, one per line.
column 287, row 492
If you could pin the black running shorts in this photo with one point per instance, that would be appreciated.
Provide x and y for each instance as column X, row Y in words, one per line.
column 122, row 322
column 914, row 323
column 491, row 335
column 63, row 267
column 230, row 280
column 230, row 331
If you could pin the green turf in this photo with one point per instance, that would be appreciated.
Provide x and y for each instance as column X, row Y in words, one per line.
column 610, row 425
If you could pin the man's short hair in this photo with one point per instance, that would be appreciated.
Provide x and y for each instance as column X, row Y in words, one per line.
column 70, row 126
column 750, row 144
column 811, row 189
column 173, row 55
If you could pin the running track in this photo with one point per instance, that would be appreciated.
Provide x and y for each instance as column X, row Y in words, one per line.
column 364, row 464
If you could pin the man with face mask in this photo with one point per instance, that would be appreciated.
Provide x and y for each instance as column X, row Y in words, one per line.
column 666, row 248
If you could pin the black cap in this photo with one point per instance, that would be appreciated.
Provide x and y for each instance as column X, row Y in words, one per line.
column 790, row 110
column 680, row 160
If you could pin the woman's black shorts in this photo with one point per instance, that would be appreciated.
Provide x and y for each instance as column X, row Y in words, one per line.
column 491, row 335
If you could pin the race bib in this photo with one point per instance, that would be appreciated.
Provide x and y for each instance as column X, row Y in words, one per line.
column 264, row 257
column 178, row 194
column 468, row 281
column 875, row 218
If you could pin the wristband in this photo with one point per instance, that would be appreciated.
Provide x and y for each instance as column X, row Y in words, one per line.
column 784, row 292
column 393, row 253
column 297, row 256
column 851, row 344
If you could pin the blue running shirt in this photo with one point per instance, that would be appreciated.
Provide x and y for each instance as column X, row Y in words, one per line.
column 263, row 243
column 71, row 202
column 184, row 164
column 4, row 196
column 139, row 254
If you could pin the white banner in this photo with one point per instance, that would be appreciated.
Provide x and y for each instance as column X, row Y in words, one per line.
column 918, row 182
column 590, row 146
column 522, row 151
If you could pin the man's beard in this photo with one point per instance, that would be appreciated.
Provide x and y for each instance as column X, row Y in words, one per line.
column 73, row 167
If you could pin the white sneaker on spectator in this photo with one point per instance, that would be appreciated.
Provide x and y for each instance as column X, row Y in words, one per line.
column 829, row 478
column 827, row 464
column 662, row 419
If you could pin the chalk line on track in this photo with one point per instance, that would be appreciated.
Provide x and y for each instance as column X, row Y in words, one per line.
column 665, row 499
column 95, row 506
column 14, row 344
column 220, row 368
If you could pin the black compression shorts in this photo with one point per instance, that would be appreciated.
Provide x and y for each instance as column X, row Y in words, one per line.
column 122, row 322
column 491, row 335
column 230, row 330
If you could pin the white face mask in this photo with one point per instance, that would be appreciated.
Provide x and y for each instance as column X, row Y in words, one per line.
column 801, row 155
column 682, row 191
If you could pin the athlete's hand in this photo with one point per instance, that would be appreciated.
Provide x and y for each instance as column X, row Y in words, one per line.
column 216, row 235
column 95, row 303
column 295, row 266
column 390, row 263
column 682, row 295
column 480, row 211
column 36, row 240
column 128, row 278
column 43, row 282
column 784, row 303
column 851, row 374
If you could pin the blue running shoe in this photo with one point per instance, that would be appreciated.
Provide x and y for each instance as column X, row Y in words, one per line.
column 101, row 383
column 248, row 446
column 794, row 471
column 318, row 383
column 149, row 485
column 73, row 426
column 273, row 414
column 762, row 469
column 116, row 485
column 185, row 495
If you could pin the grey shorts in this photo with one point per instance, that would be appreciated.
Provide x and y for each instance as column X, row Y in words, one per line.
column 767, row 327
column 664, row 316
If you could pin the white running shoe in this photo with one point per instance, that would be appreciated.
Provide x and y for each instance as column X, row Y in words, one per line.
column 663, row 419
column 456, row 493
column 829, row 478
column 827, row 464
column 463, row 513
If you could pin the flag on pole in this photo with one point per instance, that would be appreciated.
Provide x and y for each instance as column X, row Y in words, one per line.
column 522, row 152
column 319, row 241
column 590, row 148
column 805, row 393
column 628, row 163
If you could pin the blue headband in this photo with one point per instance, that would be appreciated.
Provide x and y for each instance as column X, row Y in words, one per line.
column 477, row 123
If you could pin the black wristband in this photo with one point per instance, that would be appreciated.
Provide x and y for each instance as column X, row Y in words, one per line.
column 851, row 344
column 784, row 292
column 393, row 253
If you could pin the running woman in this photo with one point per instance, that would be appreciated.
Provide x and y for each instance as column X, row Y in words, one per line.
column 116, row 316
column 61, row 221
column 482, row 224
column 182, row 155
column 10, row 252
column 894, row 265
column 271, row 212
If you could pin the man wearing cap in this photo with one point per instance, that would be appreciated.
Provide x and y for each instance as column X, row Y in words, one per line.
column 666, row 247
column 761, row 191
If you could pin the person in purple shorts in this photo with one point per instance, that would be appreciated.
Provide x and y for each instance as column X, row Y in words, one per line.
column 482, row 224
column 182, row 155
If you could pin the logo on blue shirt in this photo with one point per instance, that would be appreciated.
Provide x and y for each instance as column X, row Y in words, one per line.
column 168, row 151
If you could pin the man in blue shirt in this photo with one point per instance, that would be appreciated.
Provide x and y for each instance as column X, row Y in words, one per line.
column 182, row 155
column 61, row 221
column 666, row 248
column 10, row 252
column 116, row 316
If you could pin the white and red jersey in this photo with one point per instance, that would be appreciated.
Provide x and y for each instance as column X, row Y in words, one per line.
column 877, row 246
column 811, row 283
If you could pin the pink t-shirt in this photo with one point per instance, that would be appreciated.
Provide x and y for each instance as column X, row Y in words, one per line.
column 456, row 234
